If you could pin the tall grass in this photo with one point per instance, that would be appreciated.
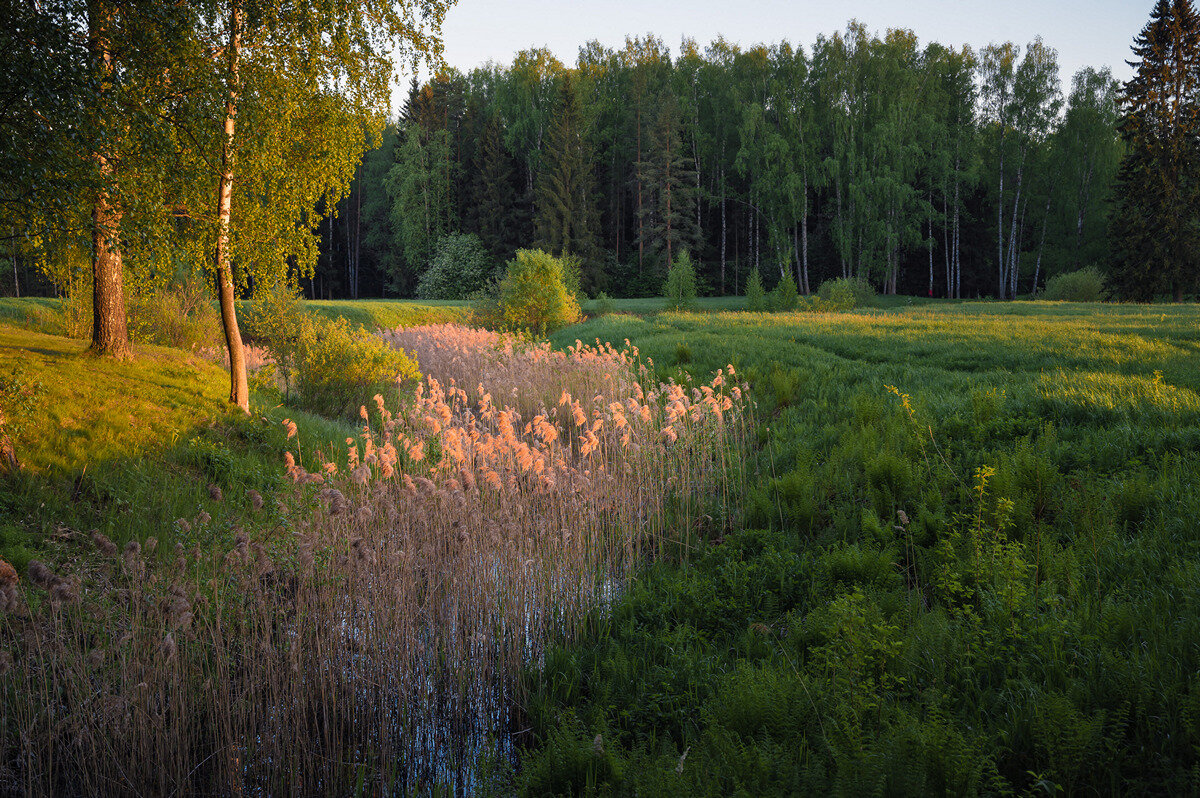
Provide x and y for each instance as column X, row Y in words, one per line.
column 370, row 642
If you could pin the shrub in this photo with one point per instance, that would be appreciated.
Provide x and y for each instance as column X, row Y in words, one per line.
column 183, row 316
column 845, row 293
column 339, row 367
column 274, row 320
column 534, row 294
column 603, row 305
column 786, row 296
column 460, row 267
column 756, row 297
column 680, row 287
column 1085, row 285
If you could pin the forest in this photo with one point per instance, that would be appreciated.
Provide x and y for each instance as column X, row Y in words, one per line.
column 925, row 169
column 648, row 426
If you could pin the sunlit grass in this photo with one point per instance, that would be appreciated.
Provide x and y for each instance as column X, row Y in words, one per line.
column 966, row 565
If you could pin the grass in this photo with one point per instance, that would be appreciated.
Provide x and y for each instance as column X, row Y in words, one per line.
column 963, row 560
column 654, row 304
column 389, row 314
column 368, row 627
column 966, row 564
column 127, row 448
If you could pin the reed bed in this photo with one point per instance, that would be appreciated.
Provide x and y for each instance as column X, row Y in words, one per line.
column 370, row 641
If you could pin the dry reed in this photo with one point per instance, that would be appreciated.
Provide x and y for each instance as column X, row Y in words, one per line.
column 373, row 639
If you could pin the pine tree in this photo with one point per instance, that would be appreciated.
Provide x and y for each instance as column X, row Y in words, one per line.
column 1154, row 224
column 567, row 220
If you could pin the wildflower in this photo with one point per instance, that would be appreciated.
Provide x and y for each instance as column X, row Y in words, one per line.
column 256, row 499
column 290, row 426
column 203, row 517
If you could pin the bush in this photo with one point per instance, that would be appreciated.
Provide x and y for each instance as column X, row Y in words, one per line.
column 534, row 294
column 333, row 366
column 604, row 306
column 460, row 267
column 339, row 367
column 1085, row 285
column 845, row 293
column 680, row 287
column 786, row 296
column 183, row 316
column 756, row 297
column 274, row 320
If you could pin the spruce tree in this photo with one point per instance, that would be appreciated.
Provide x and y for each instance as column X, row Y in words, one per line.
column 496, row 193
column 1154, row 229
column 567, row 219
column 669, row 219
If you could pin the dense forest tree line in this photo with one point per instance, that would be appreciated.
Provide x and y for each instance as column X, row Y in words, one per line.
column 925, row 170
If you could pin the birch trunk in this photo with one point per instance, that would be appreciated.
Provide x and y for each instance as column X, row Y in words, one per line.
column 239, row 392
column 804, row 237
column 1037, row 271
column 1000, row 226
column 723, row 229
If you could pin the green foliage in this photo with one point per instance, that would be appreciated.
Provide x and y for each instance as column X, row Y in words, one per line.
column 756, row 297
column 460, row 267
column 1085, row 285
column 941, row 584
column 845, row 294
column 1155, row 242
column 567, row 220
column 275, row 319
column 339, row 367
column 535, row 295
column 680, row 287
column 785, row 297
column 183, row 316
column 334, row 366
column 603, row 306
column 420, row 189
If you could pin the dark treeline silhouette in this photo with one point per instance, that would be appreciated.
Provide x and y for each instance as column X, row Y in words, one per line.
column 923, row 169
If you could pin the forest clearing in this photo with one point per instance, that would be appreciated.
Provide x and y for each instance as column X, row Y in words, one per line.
column 787, row 406
column 925, row 564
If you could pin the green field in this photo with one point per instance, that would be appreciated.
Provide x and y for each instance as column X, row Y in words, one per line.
column 966, row 559
column 129, row 448
column 1030, row 628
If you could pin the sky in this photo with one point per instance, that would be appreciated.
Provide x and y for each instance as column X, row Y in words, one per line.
column 1085, row 32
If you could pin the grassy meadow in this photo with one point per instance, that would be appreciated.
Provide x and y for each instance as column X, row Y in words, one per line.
column 954, row 550
column 968, row 563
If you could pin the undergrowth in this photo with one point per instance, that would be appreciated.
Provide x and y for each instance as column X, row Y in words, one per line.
column 966, row 565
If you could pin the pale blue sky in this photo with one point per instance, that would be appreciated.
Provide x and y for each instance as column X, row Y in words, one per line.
column 1085, row 32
